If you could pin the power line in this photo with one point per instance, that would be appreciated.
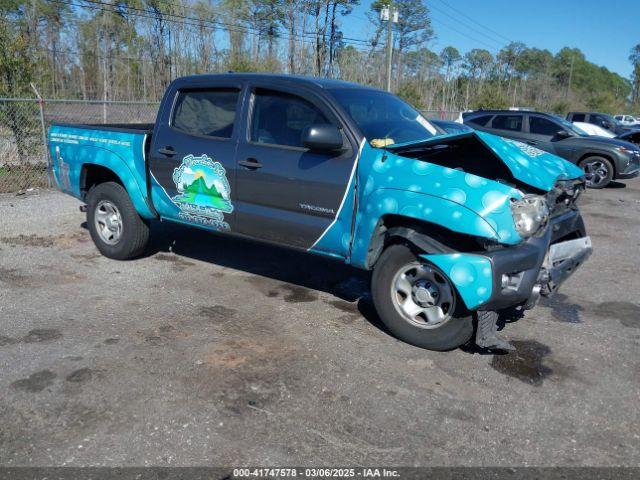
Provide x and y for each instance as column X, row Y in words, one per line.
column 476, row 22
column 145, row 13
column 242, row 16
column 471, row 27
column 464, row 34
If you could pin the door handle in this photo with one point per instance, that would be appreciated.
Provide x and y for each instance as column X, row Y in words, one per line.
column 532, row 142
column 250, row 163
column 168, row 151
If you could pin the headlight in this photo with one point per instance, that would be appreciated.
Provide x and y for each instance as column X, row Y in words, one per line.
column 627, row 150
column 530, row 213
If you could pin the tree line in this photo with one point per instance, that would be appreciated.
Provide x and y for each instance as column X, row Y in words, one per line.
column 131, row 50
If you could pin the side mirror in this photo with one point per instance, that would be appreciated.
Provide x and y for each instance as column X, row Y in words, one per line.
column 562, row 134
column 322, row 137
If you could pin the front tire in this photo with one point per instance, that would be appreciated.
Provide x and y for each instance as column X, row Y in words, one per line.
column 417, row 302
column 598, row 171
column 115, row 226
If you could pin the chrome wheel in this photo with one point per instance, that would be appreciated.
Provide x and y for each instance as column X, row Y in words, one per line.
column 422, row 295
column 595, row 172
column 108, row 222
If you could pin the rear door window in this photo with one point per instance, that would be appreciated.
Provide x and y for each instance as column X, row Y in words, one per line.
column 481, row 120
column 578, row 117
column 512, row 123
column 210, row 112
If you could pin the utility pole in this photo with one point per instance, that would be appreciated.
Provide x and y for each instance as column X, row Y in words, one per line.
column 570, row 76
column 390, row 15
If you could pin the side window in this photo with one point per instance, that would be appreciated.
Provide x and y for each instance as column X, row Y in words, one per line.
column 480, row 121
column 598, row 120
column 508, row 122
column 577, row 117
column 206, row 112
column 542, row 126
column 279, row 118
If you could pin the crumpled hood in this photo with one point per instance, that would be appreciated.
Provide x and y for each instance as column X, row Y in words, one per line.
column 529, row 164
column 526, row 163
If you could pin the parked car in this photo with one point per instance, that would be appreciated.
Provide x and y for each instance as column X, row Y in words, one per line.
column 603, row 120
column 602, row 159
column 627, row 120
column 454, row 227
column 631, row 137
column 449, row 126
column 594, row 130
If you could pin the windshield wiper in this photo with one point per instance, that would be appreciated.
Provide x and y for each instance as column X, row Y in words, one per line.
column 424, row 149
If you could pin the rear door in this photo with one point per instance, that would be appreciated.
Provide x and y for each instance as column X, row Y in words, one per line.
column 509, row 125
column 192, row 158
column 286, row 193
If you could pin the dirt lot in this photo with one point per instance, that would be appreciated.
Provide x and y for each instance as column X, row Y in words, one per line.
column 216, row 351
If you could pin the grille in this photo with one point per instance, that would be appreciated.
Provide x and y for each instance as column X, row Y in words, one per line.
column 564, row 195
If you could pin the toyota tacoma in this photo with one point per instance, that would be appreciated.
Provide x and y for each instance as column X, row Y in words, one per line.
column 454, row 227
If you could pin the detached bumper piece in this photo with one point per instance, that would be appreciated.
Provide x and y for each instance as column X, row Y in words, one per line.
column 562, row 261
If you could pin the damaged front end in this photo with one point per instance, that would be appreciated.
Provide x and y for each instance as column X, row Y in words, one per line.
column 540, row 264
column 569, row 250
column 552, row 240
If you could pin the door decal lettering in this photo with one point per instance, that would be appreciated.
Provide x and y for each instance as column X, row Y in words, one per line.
column 204, row 194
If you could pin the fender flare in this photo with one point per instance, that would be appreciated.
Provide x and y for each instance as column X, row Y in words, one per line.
column 115, row 163
column 400, row 204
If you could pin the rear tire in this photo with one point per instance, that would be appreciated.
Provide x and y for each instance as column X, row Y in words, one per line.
column 115, row 226
column 457, row 327
column 598, row 171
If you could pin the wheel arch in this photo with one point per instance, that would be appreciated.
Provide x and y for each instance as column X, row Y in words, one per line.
column 111, row 168
column 421, row 236
column 93, row 174
column 603, row 155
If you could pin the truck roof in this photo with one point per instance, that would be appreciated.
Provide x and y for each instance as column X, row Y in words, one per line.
column 327, row 83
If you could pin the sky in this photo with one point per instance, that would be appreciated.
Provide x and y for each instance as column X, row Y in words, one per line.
column 605, row 30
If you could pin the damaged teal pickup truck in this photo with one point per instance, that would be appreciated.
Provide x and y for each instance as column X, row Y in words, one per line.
column 454, row 227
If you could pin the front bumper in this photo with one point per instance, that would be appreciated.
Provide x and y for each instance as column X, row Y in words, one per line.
column 631, row 169
column 627, row 175
column 539, row 265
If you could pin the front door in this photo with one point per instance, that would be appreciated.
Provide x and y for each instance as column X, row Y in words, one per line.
column 543, row 133
column 192, row 159
column 287, row 193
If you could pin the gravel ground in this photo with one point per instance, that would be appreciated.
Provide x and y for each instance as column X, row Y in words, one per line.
column 212, row 351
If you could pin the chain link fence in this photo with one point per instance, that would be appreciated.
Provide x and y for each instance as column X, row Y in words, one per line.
column 24, row 123
column 22, row 160
column 23, row 126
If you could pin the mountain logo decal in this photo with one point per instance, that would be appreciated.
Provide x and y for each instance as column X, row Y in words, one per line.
column 204, row 195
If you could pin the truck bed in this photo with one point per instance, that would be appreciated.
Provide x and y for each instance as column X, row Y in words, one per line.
column 76, row 149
